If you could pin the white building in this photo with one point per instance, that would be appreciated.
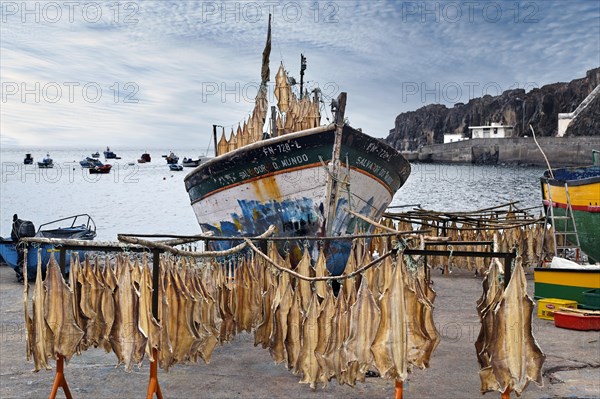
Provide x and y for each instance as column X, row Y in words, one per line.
column 494, row 131
column 453, row 137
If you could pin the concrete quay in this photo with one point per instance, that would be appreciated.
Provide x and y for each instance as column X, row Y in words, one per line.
column 561, row 151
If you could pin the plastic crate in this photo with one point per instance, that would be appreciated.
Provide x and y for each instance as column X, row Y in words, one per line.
column 591, row 299
column 547, row 307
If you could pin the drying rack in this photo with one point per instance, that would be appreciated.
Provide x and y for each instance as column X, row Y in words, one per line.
column 153, row 385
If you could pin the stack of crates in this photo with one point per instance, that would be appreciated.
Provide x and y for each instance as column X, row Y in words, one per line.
column 547, row 307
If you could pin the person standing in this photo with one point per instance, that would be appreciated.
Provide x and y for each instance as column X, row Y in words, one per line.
column 15, row 235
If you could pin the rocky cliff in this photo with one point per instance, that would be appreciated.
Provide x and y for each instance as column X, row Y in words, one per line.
column 539, row 107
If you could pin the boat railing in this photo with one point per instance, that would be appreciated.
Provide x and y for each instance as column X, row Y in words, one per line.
column 88, row 223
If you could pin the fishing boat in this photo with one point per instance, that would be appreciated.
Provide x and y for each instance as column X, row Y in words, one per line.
column 102, row 169
column 567, row 280
column 301, row 177
column 577, row 189
column 145, row 158
column 171, row 158
column 96, row 155
column 80, row 227
column 175, row 167
column 108, row 154
column 190, row 163
column 47, row 162
column 89, row 162
column 28, row 159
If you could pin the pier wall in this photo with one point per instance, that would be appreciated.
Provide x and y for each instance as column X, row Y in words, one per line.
column 561, row 151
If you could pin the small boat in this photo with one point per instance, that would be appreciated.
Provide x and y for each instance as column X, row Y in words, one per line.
column 300, row 176
column 90, row 162
column 191, row 163
column 100, row 169
column 175, row 167
column 47, row 162
column 79, row 227
column 108, row 154
column 576, row 319
column 580, row 188
column 96, row 155
column 28, row 159
column 567, row 280
column 171, row 158
column 145, row 158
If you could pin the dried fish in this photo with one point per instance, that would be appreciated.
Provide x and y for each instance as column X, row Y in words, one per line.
column 390, row 347
column 126, row 340
column 148, row 325
column 282, row 304
column 516, row 358
column 262, row 333
column 181, row 334
column 334, row 356
column 307, row 361
column 321, row 271
column 42, row 339
column 326, row 328
column 58, row 313
column 364, row 320
column 292, row 338
column 107, row 308
column 303, row 286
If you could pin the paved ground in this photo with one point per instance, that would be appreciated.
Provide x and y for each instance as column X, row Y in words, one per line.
column 240, row 370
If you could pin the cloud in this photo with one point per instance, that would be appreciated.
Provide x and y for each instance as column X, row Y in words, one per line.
column 168, row 70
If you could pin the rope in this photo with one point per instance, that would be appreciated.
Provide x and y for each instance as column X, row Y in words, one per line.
column 324, row 278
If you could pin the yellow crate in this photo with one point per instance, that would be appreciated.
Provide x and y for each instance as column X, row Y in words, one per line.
column 547, row 307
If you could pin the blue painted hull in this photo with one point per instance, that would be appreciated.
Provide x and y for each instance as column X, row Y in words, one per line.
column 282, row 182
column 10, row 257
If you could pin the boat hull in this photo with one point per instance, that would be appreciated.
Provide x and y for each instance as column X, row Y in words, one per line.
column 10, row 256
column 565, row 283
column 283, row 182
column 584, row 193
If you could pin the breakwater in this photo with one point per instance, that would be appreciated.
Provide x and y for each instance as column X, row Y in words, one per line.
column 561, row 151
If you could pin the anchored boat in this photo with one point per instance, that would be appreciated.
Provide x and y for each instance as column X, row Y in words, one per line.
column 46, row 163
column 190, row 163
column 79, row 227
column 171, row 158
column 108, row 154
column 574, row 196
column 89, row 162
column 300, row 177
column 100, row 169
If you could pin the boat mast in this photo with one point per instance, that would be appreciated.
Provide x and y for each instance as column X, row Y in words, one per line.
column 302, row 69
column 333, row 177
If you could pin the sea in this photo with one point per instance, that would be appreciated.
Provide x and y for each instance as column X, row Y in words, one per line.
column 151, row 199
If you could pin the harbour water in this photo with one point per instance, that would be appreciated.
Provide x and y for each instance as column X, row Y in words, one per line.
column 149, row 198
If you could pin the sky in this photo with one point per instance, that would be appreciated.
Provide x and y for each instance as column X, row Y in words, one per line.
column 159, row 74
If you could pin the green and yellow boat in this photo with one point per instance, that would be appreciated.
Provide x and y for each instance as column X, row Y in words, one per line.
column 583, row 185
column 566, row 283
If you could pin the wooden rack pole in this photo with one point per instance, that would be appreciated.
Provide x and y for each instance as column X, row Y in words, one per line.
column 398, row 393
column 59, row 379
column 153, row 385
